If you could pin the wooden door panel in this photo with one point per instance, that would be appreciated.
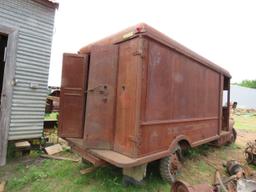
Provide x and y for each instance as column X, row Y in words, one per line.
column 72, row 95
column 100, row 110
column 128, row 99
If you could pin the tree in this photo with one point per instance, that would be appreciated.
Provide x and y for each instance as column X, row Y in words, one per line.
column 248, row 83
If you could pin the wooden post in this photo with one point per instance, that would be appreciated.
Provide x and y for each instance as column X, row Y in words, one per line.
column 7, row 90
column 221, row 79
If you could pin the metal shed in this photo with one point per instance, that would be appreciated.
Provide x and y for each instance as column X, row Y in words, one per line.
column 244, row 96
column 26, row 29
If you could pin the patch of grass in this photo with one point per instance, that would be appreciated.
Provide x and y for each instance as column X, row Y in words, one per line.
column 222, row 154
column 194, row 152
column 204, row 167
column 234, row 146
column 51, row 116
column 64, row 176
column 245, row 122
column 11, row 151
column 253, row 166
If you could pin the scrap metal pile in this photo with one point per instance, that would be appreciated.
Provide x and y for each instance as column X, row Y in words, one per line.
column 240, row 179
column 250, row 152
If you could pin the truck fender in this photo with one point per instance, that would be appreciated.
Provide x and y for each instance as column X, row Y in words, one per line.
column 175, row 142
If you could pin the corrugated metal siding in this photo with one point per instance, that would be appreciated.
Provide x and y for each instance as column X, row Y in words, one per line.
column 35, row 23
column 245, row 97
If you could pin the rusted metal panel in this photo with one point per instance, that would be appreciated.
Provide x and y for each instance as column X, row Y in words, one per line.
column 72, row 95
column 78, row 145
column 127, row 108
column 182, row 98
column 179, row 88
column 124, row 161
column 101, row 97
column 159, row 135
column 144, row 29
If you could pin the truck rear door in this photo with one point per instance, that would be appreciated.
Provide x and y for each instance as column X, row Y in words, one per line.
column 101, row 96
column 72, row 95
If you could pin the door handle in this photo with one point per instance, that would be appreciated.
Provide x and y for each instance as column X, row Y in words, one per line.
column 101, row 89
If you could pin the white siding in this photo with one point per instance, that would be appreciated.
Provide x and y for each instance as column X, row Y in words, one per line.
column 35, row 24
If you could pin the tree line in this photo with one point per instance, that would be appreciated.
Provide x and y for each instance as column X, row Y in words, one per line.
column 248, row 83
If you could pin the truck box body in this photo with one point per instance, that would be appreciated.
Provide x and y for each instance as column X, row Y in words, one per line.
column 136, row 94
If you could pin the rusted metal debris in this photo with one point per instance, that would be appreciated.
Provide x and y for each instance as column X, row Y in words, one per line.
column 240, row 180
column 53, row 100
column 181, row 186
column 250, row 152
column 244, row 185
column 233, row 167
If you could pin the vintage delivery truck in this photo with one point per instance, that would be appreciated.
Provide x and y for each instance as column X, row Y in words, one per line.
column 138, row 96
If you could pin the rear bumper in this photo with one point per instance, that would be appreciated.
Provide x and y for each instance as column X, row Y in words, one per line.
column 99, row 157
column 78, row 146
column 124, row 161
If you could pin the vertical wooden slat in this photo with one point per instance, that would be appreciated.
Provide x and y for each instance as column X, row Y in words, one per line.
column 101, row 98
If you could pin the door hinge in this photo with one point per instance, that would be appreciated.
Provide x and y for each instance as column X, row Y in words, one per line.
column 141, row 48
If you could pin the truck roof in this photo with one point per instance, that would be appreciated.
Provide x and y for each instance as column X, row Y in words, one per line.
column 146, row 30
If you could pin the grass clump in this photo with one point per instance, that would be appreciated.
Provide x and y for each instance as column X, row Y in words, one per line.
column 245, row 122
column 64, row 176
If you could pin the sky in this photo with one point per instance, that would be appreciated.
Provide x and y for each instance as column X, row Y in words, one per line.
column 223, row 31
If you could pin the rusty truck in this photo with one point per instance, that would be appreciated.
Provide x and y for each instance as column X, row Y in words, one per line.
column 138, row 96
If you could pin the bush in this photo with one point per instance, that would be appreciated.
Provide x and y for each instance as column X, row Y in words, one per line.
column 248, row 83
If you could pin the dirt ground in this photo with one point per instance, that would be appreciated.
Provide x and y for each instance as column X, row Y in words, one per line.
column 244, row 136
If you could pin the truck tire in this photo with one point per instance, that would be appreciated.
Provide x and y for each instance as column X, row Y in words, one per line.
column 169, row 167
column 233, row 136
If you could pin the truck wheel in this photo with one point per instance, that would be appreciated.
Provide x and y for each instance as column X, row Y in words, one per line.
column 169, row 167
column 233, row 136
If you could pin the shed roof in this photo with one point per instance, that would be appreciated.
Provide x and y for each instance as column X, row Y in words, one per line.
column 49, row 3
column 146, row 30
